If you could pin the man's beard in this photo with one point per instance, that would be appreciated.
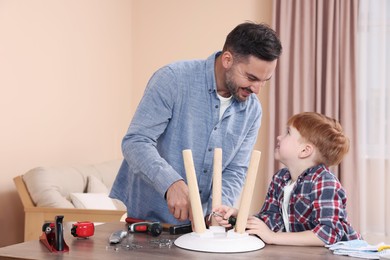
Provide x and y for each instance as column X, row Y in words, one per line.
column 232, row 86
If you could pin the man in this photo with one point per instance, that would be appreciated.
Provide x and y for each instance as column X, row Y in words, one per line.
column 198, row 105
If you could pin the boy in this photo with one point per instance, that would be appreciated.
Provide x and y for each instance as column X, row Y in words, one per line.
column 305, row 200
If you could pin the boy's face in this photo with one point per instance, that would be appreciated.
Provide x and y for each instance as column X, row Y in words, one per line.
column 289, row 147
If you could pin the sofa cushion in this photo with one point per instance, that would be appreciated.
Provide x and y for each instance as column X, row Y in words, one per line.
column 92, row 201
column 96, row 186
column 51, row 186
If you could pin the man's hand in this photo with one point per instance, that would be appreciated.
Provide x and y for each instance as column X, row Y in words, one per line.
column 178, row 200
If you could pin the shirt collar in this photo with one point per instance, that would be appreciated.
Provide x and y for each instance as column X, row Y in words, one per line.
column 308, row 171
column 210, row 71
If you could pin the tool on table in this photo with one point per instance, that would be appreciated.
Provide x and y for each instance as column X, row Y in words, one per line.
column 53, row 235
column 117, row 236
column 59, row 233
column 152, row 228
column 180, row 229
column 173, row 229
column 231, row 220
column 83, row 229
column 48, row 229
column 131, row 220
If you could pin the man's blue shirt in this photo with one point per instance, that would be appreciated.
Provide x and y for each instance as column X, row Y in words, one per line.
column 180, row 110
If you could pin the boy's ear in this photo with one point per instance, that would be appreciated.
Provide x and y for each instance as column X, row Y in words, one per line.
column 306, row 151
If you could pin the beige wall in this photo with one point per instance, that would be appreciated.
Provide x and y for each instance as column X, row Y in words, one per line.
column 65, row 76
column 178, row 29
column 72, row 73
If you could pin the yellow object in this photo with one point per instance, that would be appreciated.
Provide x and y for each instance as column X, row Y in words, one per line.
column 381, row 248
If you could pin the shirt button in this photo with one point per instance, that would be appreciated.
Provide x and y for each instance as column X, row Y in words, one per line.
column 215, row 128
column 210, row 149
column 204, row 171
column 216, row 106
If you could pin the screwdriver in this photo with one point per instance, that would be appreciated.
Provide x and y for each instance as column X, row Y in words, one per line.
column 231, row 220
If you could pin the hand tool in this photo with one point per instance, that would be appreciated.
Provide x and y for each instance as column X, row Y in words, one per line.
column 117, row 236
column 231, row 220
column 173, row 229
column 152, row 228
column 83, row 229
column 59, row 234
column 180, row 229
column 131, row 220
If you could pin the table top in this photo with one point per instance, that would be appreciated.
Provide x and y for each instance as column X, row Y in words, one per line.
column 142, row 245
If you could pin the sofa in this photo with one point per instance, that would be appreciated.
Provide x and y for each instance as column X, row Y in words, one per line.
column 78, row 192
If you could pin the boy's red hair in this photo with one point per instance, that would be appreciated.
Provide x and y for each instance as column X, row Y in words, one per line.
column 325, row 133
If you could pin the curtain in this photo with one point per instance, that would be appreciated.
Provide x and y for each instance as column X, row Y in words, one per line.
column 374, row 114
column 317, row 72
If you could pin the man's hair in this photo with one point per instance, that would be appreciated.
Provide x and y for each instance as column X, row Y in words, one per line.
column 325, row 133
column 254, row 39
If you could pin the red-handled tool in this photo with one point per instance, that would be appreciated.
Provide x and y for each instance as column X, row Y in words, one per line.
column 130, row 220
column 152, row 228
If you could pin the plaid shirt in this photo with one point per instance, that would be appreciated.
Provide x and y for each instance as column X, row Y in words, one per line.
column 317, row 203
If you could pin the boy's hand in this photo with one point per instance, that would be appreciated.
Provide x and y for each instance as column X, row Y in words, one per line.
column 223, row 215
column 257, row 227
